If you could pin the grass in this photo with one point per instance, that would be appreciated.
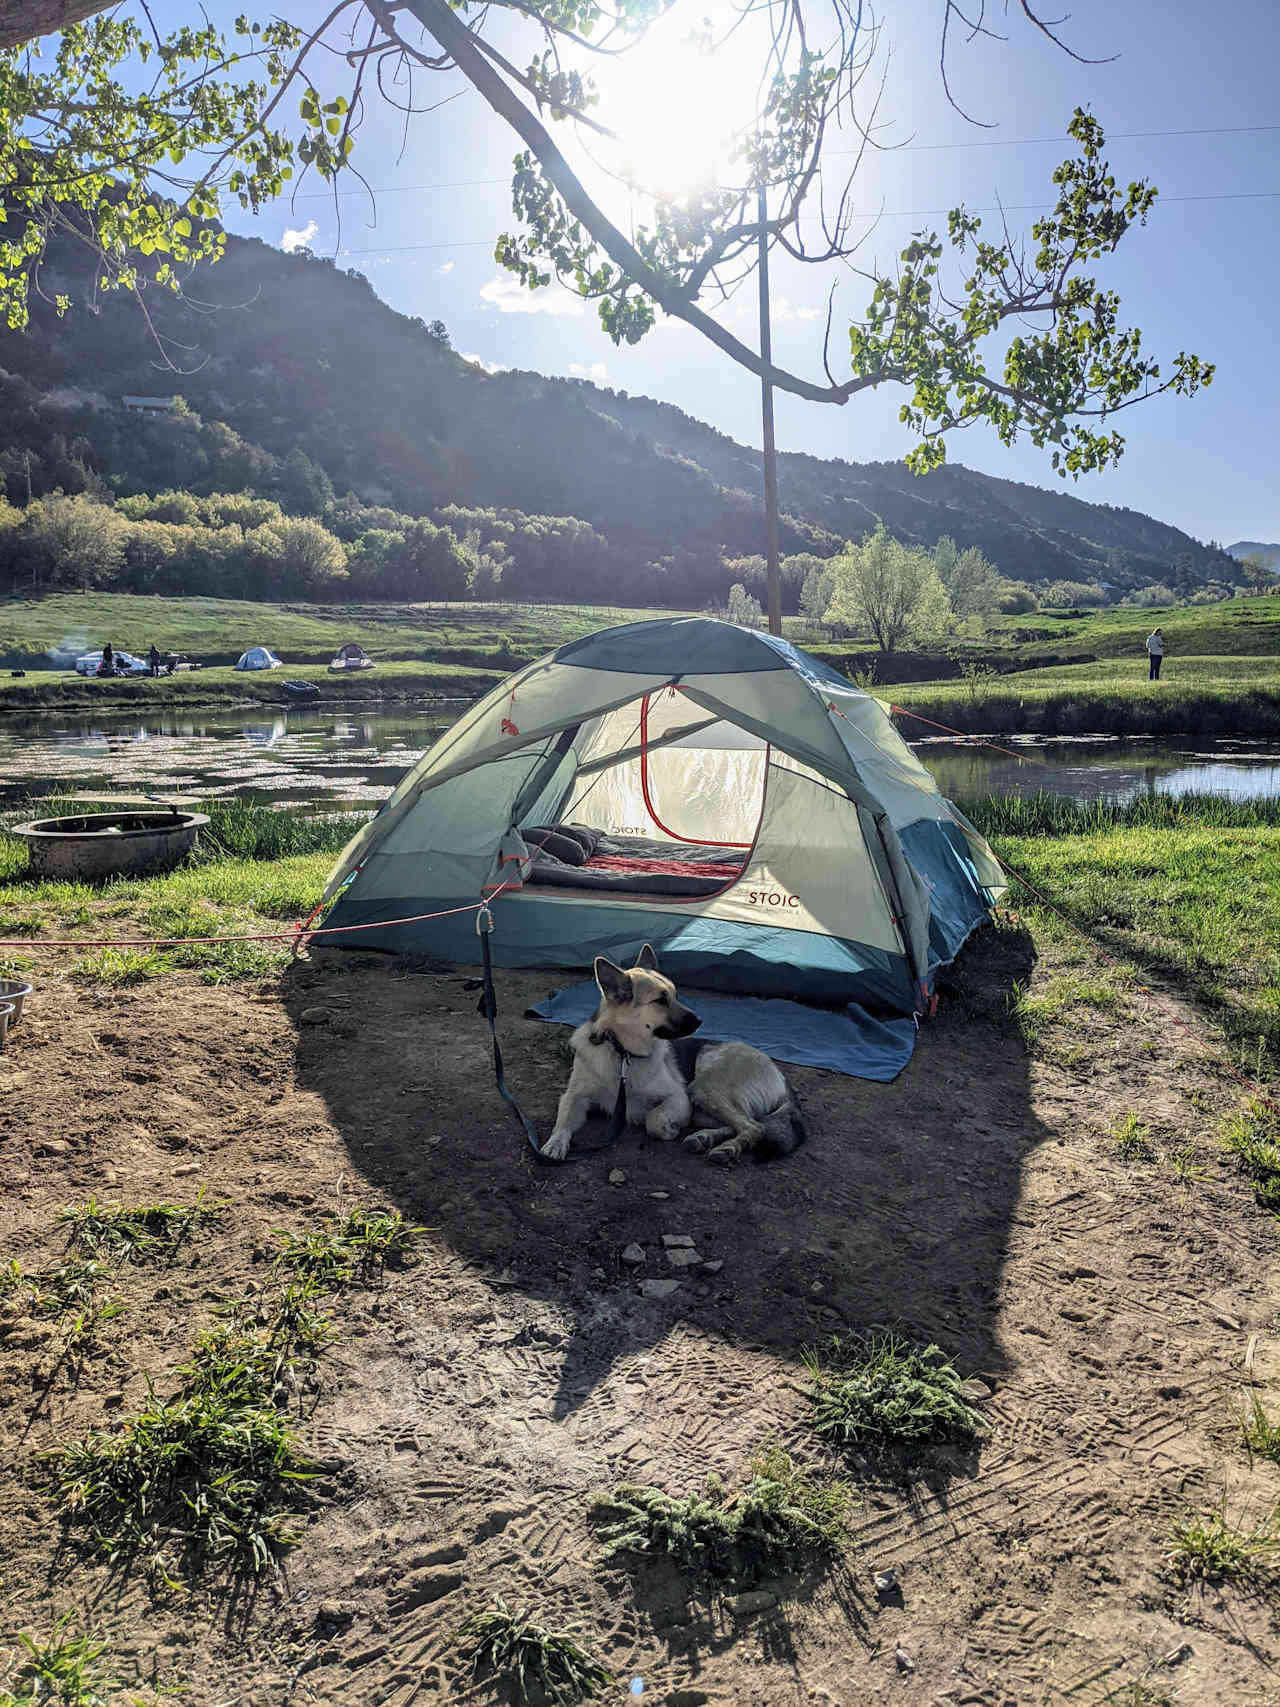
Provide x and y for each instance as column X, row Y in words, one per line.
column 65, row 1671
column 1046, row 814
column 1132, row 1138
column 541, row 1666
column 779, row 1520
column 884, row 1393
column 1211, row 695
column 1207, row 1548
column 70, row 1294
column 1057, row 1000
column 354, row 1249
column 137, row 1232
column 244, row 1360
column 1260, row 1434
column 1251, row 1133
column 1196, row 907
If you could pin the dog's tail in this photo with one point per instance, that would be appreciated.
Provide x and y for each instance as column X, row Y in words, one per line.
column 784, row 1131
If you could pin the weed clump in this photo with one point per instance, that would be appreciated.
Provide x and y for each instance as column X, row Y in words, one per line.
column 66, row 1669
column 1132, row 1138
column 542, row 1666
column 354, row 1249
column 1252, row 1134
column 1260, row 1434
column 884, row 1392
column 781, row 1519
column 137, row 1232
column 69, row 1294
column 1210, row 1549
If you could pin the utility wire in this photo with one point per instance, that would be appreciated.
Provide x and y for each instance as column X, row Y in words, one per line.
column 834, row 153
column 889, row 213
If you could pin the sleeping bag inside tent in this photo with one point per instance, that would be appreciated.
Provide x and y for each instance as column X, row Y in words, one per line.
column 709, row 789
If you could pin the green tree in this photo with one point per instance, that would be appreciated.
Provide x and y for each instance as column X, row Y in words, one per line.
column 133, row 142
column 744, row 608
column 71, row 542
column 973, row 585
column 886, row 587
column 1261, row 575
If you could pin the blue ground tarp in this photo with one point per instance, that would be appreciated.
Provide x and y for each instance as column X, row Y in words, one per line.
column 849, row 1041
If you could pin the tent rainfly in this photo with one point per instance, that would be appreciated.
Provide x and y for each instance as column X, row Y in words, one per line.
column 258, row 658
column 709, row 789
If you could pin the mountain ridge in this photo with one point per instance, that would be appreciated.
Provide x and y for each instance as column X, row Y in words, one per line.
column 302, row 359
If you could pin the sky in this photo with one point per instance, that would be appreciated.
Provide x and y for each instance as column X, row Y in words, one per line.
column 1199, row 84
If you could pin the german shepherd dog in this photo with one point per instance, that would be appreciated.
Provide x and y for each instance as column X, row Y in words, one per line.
column 640, row 1033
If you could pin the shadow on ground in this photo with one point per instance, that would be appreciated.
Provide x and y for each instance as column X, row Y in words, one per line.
column 897, row 1211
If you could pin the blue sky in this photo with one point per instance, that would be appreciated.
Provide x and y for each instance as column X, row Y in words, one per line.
column 1200, row 277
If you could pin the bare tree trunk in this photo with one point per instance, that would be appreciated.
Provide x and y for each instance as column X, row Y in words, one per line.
column 23, row 20
column 770, row 448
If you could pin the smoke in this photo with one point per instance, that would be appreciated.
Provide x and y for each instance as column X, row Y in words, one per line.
column 69, row 648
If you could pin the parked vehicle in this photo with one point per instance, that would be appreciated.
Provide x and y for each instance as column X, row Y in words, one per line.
column 125, row 664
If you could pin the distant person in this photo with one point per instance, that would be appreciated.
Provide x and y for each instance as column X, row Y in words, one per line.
column 108, row 665
column 153, row 658
column 1155, row 654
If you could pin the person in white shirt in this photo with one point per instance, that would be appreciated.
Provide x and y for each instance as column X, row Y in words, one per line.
column 1155, row 653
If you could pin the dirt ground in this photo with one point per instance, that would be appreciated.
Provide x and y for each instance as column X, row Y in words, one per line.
column 478, row 1398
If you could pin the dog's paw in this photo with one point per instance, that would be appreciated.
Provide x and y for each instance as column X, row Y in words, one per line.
column 726, row 1154
column 667, row 1131
column 699, row 1142
column 556, row 1147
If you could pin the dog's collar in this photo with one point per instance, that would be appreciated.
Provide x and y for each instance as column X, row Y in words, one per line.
column 624, row 1055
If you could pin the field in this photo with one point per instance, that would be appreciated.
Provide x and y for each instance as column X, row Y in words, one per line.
column 1210, row 696
column 1222, row 674
column 1066, row 1191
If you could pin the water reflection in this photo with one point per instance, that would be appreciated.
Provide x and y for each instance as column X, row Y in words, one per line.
column 334, row 758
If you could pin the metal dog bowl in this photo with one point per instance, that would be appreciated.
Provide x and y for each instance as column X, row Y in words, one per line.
column 6, row 1020
column 98, row 845
column 14, row 993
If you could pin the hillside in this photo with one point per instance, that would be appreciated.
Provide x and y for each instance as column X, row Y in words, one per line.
column 304, row 380
column 1270, row 553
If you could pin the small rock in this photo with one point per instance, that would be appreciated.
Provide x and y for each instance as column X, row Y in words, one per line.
column 633, row 1256
column 885, row 1581
column 713, row 1267
column 817, row 1289
column 754, row 1600
column 617, row 1177
column 598, row 1274
column 186, row 1168
column 314, row 1016
column 975, row 1389
column 904, row 1660
column 660, row 1195
column 677, row 1241
column 658, row 1288
column 333, row 1612
column 113, row 1401
column 52, row 1147
column 683, row 1258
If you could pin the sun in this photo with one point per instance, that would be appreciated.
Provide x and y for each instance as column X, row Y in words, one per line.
column 678, row 110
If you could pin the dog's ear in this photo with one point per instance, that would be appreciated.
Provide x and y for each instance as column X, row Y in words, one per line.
column 647, row 960
column 614, row 984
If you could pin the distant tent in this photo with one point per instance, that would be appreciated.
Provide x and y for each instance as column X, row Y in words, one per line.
column 352, row 657
column 259, row 658
column 706, row 788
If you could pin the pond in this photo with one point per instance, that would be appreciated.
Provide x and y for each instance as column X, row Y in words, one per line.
column 336, row 759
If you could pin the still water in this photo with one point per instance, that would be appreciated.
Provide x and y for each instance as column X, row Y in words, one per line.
column 330, row 758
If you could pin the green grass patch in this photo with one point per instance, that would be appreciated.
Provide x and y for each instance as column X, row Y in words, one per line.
column 1044, row 814
column 67, row 1670
column 543, row 1668
column 137, row 1232
column 1251, row 1133
column 1197, row 906
column 248, row 1361
column 1056, row 1000
column 1132, row 1138
column 354, row 1249
column 780, row 1519
column 1260, row 1434
column 1208, row 1548
column 882, row 1393
column 70, row 1294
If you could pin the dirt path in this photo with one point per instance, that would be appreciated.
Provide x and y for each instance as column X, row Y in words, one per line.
column 477, row 1400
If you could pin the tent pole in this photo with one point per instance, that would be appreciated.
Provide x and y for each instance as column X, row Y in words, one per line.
column 766, row 409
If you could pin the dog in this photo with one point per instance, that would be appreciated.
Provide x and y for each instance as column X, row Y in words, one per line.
column 640, row 1033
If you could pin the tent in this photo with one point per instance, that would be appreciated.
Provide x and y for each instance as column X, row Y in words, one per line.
column 710, row 789
column 352, row 656
column 258, row 658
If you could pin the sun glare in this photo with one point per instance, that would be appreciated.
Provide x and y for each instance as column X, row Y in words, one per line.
column 677, row 110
